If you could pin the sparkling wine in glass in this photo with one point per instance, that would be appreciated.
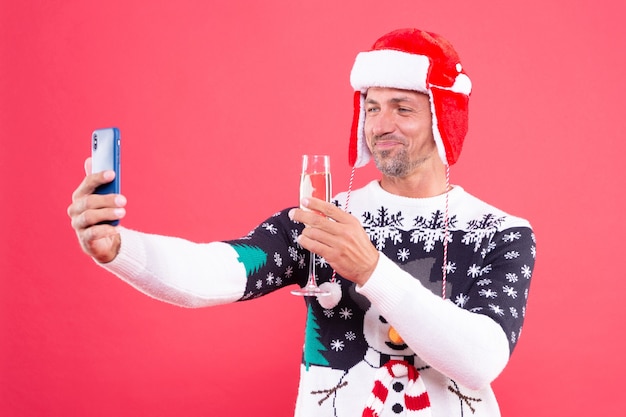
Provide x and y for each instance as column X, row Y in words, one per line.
column 315, row 182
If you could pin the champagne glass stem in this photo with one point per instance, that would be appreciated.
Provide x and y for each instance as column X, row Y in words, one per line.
column 312, row 281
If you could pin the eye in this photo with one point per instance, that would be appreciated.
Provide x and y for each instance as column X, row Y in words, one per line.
column 382, row 319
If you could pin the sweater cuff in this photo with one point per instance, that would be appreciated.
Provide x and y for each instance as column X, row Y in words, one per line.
column 131, row 259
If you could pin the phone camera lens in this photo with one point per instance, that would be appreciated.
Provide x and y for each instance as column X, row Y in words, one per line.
column 95, row 142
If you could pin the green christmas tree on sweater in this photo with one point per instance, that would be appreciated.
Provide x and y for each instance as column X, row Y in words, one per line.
column 252, row 257
column 313, row 348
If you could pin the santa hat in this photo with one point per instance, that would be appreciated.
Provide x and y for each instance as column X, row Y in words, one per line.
column 411, row 59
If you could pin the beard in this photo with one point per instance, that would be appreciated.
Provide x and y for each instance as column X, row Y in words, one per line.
column 398, row 162
column 390, row 165
column 399, row 165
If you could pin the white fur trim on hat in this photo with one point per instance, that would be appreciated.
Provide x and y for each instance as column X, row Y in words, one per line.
column 390, row 68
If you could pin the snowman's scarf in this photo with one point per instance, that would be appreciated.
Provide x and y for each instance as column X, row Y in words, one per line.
column 416, row 401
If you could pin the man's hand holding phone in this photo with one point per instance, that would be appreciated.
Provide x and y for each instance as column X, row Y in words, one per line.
column 90, row 213
column 97, row 205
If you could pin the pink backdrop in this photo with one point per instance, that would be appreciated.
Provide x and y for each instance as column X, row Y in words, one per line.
column 216, row 100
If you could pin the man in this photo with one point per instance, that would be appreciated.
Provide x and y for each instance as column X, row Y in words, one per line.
column 428, row 284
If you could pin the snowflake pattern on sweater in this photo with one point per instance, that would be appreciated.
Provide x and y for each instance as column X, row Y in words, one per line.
column 490, row 262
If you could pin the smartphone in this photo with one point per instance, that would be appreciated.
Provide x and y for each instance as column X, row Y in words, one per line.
column 105, row 155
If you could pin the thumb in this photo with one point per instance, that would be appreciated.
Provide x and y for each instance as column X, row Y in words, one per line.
column 88, row 166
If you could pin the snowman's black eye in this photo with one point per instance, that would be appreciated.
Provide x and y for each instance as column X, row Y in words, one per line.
column 382, row 319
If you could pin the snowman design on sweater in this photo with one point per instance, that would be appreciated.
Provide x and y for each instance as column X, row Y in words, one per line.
column 395, row 386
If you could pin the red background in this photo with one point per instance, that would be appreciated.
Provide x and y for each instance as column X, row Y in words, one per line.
column 216, row 101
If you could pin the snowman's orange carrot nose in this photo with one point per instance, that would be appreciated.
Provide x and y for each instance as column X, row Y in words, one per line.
column 395, row 337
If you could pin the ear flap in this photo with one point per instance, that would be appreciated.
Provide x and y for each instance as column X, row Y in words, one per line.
column 354, row 132
column 358, row 153
column 451, row 110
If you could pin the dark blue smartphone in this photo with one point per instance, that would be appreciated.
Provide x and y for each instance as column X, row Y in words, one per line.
column 105, row 155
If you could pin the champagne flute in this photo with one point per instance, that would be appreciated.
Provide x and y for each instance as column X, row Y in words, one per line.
column 314, row 182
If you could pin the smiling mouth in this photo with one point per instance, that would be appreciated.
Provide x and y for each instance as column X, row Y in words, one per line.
column 396, row 347
column 386, row 144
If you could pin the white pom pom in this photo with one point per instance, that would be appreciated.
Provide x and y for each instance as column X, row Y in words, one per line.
column 330, row 301
column 462, row 84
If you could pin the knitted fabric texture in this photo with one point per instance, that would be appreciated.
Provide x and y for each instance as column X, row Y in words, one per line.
column 416, row 400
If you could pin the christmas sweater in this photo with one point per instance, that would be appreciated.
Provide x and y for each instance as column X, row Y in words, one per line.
column 450, row 349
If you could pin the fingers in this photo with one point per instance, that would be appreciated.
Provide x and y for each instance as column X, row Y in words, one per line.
column 102, row 242
column 317, row 212
column 89, row 236
column 327, row 226
column 89, row 209
column 92, row 209
column 89, row 218
column 89, row 212
column 91, row 182
column 347, row 248
column 338, row 237
column 327, row 209
column 88, row 166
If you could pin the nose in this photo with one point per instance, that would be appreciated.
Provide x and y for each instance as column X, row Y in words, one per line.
column 382, row 123
column 394, row 336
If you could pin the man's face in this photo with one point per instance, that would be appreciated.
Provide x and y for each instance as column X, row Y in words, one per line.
column 398, row 130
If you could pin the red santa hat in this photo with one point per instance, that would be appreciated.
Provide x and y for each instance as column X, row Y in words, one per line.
column 412, row 59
